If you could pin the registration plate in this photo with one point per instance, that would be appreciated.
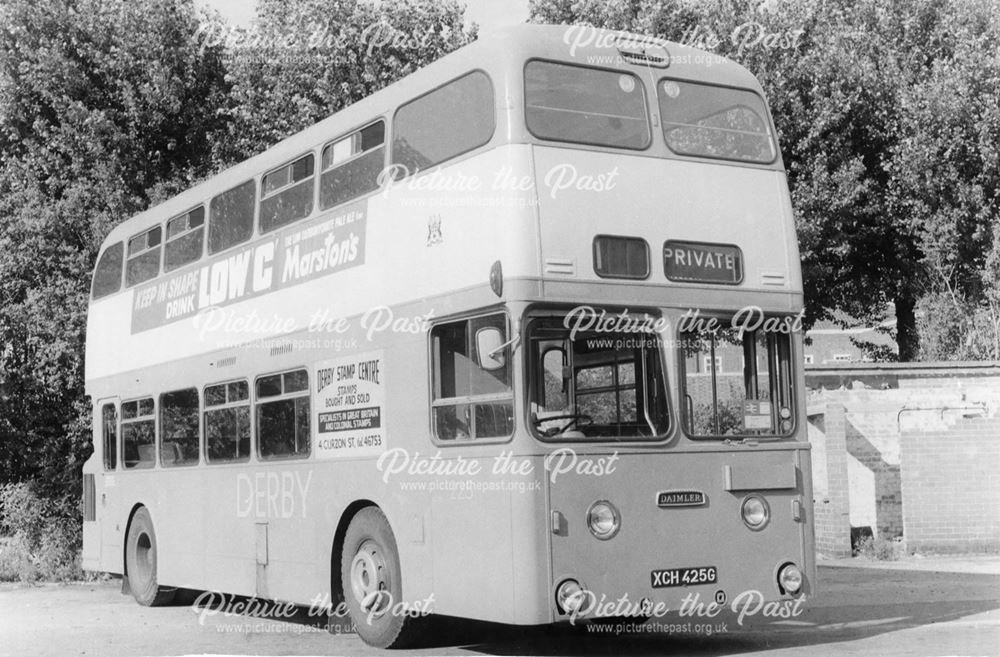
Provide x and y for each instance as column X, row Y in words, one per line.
column 684, row 576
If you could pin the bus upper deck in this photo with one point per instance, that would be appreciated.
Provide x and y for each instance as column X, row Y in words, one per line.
column 575, row 161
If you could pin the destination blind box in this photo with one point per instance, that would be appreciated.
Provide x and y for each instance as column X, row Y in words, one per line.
column 702, row 262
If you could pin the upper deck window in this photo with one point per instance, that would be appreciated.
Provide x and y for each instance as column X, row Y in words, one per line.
column 231, row 217
column 143, row 256
column 710, row 121
column 585, row 105
column 108, row 274
column 185, row 236
column 351, row 165
column 444, row 123
column 287, row 193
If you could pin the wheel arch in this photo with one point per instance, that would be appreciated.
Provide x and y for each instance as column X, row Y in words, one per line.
column 336, row 585
column 128, row 527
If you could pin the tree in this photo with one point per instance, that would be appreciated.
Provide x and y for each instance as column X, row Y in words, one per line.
column 946, row 170
column 100, row 100
column 303, row 61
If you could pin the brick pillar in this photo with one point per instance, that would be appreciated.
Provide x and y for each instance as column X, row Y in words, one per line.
column 833, row 522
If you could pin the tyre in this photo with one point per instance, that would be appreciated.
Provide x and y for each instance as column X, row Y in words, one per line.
column 370, row 577
column 140, row 562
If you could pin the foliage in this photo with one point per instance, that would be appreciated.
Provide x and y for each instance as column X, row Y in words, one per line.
column 108, row 106
column 307, row 60
column 888, row 122
column 730, row 418
column 42, row 539
column 878, row 549
column 99, row 101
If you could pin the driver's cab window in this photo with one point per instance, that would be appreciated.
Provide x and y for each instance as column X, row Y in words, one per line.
column 472, row 396
column 595, row 385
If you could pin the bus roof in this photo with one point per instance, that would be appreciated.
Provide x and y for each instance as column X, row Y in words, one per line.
column 494, row 53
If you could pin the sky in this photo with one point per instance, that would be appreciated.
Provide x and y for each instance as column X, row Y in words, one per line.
column 490, row 14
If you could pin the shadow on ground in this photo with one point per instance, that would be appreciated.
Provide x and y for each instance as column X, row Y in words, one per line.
column 849, row 606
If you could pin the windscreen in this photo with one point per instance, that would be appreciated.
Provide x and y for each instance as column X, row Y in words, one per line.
column 737, row 383
column 589, row 385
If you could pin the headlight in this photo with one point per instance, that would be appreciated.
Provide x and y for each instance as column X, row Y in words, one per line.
column 603, row 519
column 790, row 578
column 755, row 512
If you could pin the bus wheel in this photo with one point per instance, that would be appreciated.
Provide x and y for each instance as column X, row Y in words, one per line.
column 370, row 575
column 140, row 562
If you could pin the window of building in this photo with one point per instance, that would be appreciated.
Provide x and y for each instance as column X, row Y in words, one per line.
column 138, row 433
column 283, row 415
column 584, row 105
column 707, row 364
column 230, row 219
column 143, row 256
column 287, row 193
column 179, row 427
column 351, row 165
column 469, row 401
column 444, row 123
column 108, row 273
column 227, row 422
column 109, row 436
column 185, row 237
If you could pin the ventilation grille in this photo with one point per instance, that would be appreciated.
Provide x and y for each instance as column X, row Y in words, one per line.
column 228, row 361
column 564, row 266
column 281, row 349
column 644, row 54
column 773, row 279
column 89, row 499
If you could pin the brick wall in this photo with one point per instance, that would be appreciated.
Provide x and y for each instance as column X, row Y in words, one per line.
column 830, row 490
column 860, row 460
column 951, row 485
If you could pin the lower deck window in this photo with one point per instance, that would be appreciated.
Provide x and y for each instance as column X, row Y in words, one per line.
column 138, row 434
column 470, row 401
column 227, row 422
column 283, row 415
column 109, row 433
column 179, row 427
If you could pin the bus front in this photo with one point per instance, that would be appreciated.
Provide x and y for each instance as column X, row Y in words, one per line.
column 662, row 356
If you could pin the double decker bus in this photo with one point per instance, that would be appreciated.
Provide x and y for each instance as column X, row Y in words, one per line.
column 508, row 339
